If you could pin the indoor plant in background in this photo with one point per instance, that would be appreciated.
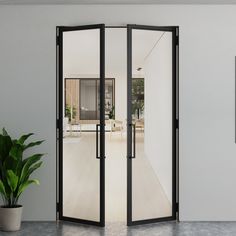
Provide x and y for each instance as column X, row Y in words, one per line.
column 15, row 171
column 111, row 114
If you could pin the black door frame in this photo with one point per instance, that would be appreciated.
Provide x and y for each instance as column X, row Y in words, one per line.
column 101, row 154
column 175, row 121
column 59, row 122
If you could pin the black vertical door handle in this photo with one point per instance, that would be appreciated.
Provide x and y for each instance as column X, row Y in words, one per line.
column 134, row 140
column 97, row 144
column 133, row 154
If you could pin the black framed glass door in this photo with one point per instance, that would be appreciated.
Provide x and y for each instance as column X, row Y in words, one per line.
column 81, row 154
column 152, row 115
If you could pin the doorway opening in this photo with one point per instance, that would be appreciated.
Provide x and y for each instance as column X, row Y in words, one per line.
column 117, row 129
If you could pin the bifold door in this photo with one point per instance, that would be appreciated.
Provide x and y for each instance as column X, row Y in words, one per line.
column 81, row 152
column 151, row 124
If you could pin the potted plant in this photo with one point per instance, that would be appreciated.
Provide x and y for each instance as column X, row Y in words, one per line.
column 111, row 114
column 70, row 112
column 15, row 174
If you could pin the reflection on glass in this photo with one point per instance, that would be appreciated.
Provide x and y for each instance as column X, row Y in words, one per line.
column 137, row 98
column 72, row 100
column 152, row 117
column 109, row 99
column 82, row 100
column 89, row 100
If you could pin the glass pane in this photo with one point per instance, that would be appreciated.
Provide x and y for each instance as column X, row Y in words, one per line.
column 88, row 100
column 116, row 114
column 109, row 101
column 98, row 99
column 81, row 169
column 152, row 117
column 72, row 100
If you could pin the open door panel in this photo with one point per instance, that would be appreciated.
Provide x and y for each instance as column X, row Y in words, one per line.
column 151, row 123
column 81, row 177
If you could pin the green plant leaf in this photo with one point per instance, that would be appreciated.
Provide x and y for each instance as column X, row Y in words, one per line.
column 5, row 146
column 31, row 170
column 34, row 167
column 33, row 144
column 24, row 137
column 24, row 185
column 16, row 151
column 6, row 186
column 14, row 170
column 2, row 188
column 27, row 163
column 4, row 132
column 12, row 180
column 9, row 164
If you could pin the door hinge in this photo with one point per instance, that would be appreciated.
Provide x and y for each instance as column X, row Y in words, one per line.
column 177, row 124
column 58, row 123
column 177, row 207
column 58, row 40
column 177, row 40
column 58, row 206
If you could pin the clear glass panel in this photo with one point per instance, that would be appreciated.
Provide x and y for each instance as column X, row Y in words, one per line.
column 116, row 114
column 88, row 99
column 109, row 99
column 72, row 100
column 152, row 117
column 81, row 169
column 98, row 99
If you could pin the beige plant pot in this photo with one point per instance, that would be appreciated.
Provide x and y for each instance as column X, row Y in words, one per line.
column 10, row 218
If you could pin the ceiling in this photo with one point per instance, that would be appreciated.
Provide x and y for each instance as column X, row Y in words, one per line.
column 18, row 2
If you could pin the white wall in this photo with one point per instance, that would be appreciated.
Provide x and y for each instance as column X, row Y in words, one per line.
column 158, row 111
column 207, row 50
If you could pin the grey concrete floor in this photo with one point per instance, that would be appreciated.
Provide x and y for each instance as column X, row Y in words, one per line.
column 119, row 229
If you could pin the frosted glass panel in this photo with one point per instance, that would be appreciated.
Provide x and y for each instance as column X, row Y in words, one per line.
column 152, row 117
